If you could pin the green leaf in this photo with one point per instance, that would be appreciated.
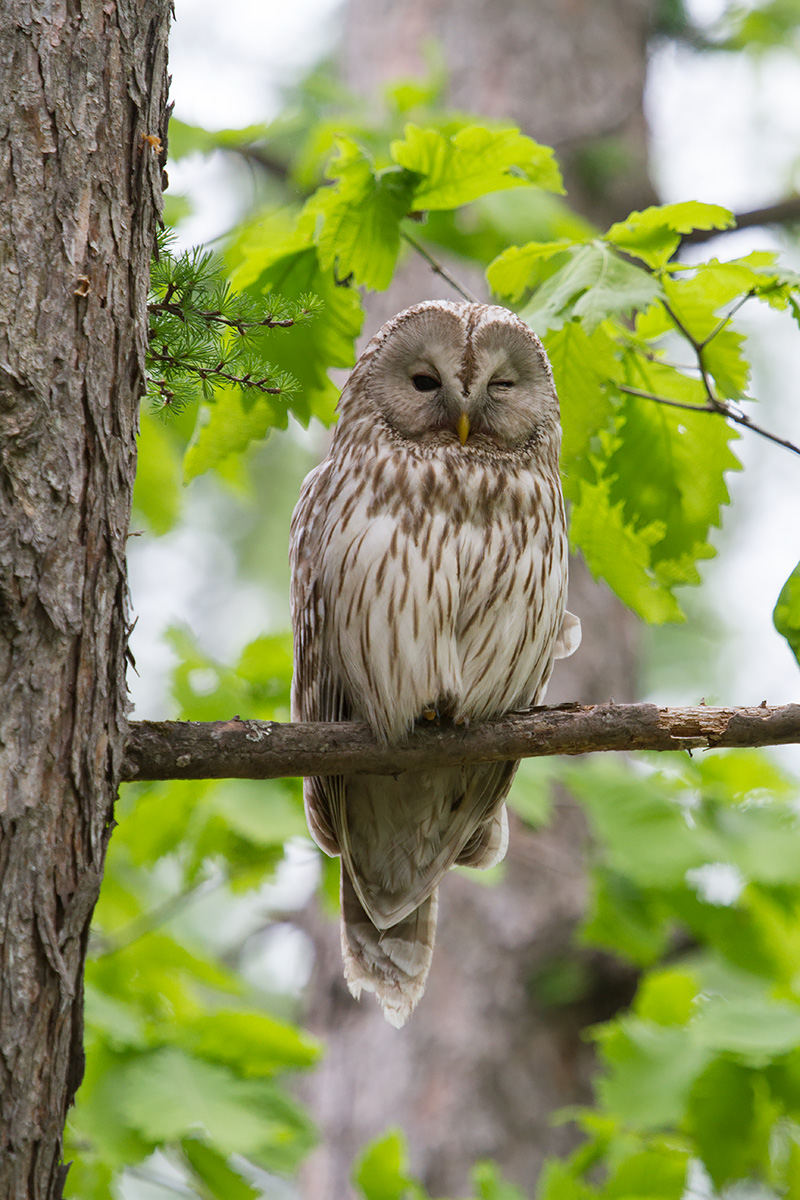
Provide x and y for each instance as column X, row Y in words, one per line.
column 471, row 163
column 558, row 1182
column 657, row 1174
column 381, row 1172
column 655, row 234
column 490, row 1185
column 640, row 825
column 721, row 1119
column 593, row 284
column 786, row 614
column 109, row 1017
column 277, row 256
column 582, row 365
column 669, row 465
column 189, row 139
column 229, row 425
column 519, row 268
column 157, row 488
column 667, row 996
column 615, row 551
column 361, row 215
column 212, row 1171
column 625, row 919
column 253, row 1042
column 755, row 1029
column 651, row 1070
column 168, row 1095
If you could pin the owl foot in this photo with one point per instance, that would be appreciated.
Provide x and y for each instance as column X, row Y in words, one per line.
column 431, row 713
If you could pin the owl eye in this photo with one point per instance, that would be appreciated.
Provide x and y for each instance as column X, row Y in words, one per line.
column 502, row 383
column 425, row 383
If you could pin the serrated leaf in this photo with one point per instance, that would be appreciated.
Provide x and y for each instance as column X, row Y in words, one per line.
column 615, row 551
column 471, row 163
column 255, row 1043
column 655, row 234
column 593, row 284
column 168, row 1095
column 361, row 217
column 582, row 365
column 786, row 614
column 669, row 465
column 228, row 426
column 277, row 256
column 519, row 268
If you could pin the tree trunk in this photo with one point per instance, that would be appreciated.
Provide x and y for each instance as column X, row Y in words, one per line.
column 495, row 1045
column 83, row 84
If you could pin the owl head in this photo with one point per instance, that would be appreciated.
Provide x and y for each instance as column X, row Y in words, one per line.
column 443, row 372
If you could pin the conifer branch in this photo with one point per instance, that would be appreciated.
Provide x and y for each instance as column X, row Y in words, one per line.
column 243, row 749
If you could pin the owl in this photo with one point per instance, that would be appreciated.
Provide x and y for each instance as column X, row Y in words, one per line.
column 429, row 577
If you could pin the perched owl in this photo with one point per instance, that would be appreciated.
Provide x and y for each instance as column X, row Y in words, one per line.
column 429, row 577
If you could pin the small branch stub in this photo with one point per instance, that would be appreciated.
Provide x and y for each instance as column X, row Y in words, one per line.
column 239, row 749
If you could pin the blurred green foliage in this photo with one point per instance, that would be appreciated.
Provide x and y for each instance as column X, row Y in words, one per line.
column 695, row 875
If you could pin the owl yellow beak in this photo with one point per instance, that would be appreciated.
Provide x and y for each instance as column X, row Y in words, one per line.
column 463, row 427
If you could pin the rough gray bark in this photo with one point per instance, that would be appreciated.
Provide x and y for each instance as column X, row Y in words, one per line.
column 83, row 85
column 485, row 1061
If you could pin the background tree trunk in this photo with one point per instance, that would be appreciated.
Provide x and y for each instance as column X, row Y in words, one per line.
column 81, row 189
column 494, row 1048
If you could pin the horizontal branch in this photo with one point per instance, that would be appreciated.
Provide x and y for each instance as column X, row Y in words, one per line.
column 239, row 749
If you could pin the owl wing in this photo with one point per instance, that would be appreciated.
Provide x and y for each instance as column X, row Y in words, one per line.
column 317, row 694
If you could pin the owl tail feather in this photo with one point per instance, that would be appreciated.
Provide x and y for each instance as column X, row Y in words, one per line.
column 393, row 963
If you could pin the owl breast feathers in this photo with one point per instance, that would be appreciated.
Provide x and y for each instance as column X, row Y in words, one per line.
column 429, row 576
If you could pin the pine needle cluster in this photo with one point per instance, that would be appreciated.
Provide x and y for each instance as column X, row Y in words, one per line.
column 203, row 334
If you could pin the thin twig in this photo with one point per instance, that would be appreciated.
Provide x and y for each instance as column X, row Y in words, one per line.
column 158, row 915
column 713, row 404
column 718, row 407
column 262, row 385
column 436, row 266
column 242, row 324
column 724, row 321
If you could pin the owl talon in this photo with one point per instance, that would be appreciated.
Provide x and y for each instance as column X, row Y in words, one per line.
column 430, row 714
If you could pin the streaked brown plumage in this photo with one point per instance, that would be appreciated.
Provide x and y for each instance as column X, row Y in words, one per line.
column 429, row 571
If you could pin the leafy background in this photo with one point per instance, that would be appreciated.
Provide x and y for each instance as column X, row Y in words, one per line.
column 194, row 975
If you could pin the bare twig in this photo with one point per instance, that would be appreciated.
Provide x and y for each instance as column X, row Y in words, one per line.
column 269, row 750
column 713, row 404
column 436, row 266
column 719, row 407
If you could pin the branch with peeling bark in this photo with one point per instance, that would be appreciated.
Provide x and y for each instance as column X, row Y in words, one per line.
column 238, row 749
